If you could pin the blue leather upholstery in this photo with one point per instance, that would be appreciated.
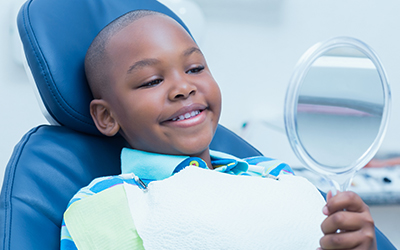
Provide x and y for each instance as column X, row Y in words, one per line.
column 51, row 163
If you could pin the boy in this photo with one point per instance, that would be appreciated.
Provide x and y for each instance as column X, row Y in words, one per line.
column 151, row 84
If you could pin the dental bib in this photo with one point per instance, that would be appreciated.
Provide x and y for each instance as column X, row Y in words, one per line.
column 202, row 209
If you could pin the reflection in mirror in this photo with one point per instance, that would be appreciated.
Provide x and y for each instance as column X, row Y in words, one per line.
column 337, row 108
column 339, row 111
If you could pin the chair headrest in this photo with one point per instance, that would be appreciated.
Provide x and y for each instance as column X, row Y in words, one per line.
column 56, row 35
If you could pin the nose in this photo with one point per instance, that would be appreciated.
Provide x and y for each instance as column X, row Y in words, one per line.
column 181, row 89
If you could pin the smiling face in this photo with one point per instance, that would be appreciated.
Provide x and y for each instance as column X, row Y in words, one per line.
column 162, row 97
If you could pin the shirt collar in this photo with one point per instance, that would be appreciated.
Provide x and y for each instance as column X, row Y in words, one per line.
column 150, row 166
column 153, row 166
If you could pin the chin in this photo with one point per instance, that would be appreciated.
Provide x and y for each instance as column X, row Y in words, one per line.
column 195, row 151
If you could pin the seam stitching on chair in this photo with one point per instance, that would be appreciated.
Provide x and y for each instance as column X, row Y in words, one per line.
column 10, row 182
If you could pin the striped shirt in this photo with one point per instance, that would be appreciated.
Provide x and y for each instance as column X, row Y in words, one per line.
column 150, row 167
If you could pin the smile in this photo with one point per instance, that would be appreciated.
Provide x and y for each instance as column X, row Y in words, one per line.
column 187, row 115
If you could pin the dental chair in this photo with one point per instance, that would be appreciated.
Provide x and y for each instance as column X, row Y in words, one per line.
column 52, row 162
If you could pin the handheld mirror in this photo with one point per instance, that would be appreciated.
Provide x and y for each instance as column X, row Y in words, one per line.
column 336, row 109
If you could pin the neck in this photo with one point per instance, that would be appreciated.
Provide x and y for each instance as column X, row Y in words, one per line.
column 205, row 156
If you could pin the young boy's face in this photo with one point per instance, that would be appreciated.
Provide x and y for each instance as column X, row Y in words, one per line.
column 163, row 97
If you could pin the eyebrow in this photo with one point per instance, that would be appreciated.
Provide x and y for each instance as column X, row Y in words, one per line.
column 191, row 50
column 142, row 63
column 152, row 61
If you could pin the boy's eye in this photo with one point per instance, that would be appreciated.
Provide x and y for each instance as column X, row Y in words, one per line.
column 195, row 70
column 151, row 83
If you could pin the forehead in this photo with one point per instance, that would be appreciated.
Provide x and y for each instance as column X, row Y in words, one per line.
column 153, row 32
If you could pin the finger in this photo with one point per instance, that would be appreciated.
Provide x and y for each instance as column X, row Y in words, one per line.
column 325, row 208
column 345, row 221
column 346, row 200
column 346, row 240
column 329, row 195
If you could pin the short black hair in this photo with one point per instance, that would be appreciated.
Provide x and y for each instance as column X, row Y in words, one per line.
column 96, row 57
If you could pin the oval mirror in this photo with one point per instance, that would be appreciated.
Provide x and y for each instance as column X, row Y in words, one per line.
column 336, row 109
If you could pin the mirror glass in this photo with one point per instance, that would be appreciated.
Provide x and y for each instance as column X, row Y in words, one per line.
column 336, row 108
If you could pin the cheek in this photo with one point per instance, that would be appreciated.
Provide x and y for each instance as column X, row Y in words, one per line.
column 140, row 128
column 217, row 92
column 136, row 114
column 212, row 89
column 215, row 97
column 144, row 106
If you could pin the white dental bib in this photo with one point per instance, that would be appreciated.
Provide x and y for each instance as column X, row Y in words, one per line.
column 202, row 209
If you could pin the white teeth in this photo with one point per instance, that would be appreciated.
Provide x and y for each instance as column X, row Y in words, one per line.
column 186, row 116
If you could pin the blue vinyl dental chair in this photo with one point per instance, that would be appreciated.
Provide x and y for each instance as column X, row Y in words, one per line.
column 52, row 162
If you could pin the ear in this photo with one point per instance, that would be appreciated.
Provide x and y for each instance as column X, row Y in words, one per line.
column 102, row 117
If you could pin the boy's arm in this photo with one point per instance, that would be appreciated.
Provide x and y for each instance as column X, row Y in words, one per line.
column 99, row 212
column 67, row 243
column 66, row 240
column 349, row 224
